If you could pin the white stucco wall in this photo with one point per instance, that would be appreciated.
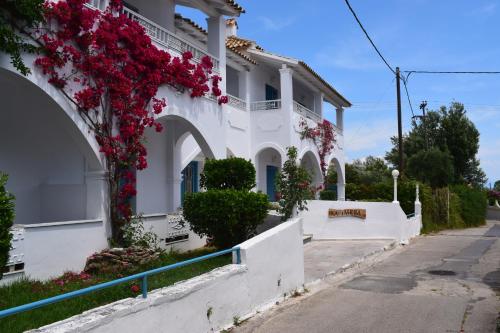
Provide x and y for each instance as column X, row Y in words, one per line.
column 384, row 220
column 51, row 249
column 272, row 265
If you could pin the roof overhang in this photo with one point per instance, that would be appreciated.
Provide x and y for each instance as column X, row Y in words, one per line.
column 214, row 7
column 304, row 72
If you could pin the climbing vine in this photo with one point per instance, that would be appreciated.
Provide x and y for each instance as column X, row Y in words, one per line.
column 107, row 66
column 324, row 139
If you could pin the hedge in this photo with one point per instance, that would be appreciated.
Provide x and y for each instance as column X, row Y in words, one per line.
column 328, row 195
column 229, row 173
column 473, row 204
column 226, row 217
column 455, row 207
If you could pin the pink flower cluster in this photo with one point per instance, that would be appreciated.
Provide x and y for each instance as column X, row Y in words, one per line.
column 323, row 137
column 107, row 65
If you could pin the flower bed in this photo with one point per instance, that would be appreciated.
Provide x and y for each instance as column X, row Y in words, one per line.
column 27, row 291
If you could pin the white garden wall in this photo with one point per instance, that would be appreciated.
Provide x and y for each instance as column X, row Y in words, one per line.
column 384, row 220
column 50, row 249
column 272, row 265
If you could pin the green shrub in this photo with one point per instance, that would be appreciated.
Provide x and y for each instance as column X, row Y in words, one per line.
column 473, row 204
column 328, row 195
column 6, row 221
column 226, row 217
column 293, row 185
column 229, row 173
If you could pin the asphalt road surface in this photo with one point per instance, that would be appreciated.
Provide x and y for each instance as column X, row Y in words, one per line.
column 449, row 282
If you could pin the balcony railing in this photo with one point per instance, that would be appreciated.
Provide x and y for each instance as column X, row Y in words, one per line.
column 266, row 105
column 162, row 36
column 302, row 110
column 237, row 102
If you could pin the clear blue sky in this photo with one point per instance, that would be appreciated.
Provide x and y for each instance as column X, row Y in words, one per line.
column 412, row 34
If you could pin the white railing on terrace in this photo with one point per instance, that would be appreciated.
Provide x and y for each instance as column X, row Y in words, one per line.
column 162, row 36
column 300, row 109
column 237, row 102
column 266, row 105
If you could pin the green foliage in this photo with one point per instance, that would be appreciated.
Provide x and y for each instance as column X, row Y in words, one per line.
column 448, row 129
column 496, row 187
column 442, row 208
column 474, row 204
column 134, row 235
column 28, row 290
column 6, row 221
column 15, row 16
column 328, row 195
column 292, row 184
column 230, row 173
column 226, row 217
column 370, row 171
column 433, row 167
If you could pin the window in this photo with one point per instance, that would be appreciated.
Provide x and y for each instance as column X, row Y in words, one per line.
column 271, row 93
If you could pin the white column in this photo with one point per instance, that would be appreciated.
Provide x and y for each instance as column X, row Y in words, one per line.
column 173, row 173
column 340, row 119
column 318, row 103
column 340, row 191
column 216, row 42
column 286, row 90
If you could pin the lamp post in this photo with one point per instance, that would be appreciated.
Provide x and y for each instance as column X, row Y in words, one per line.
column 395, row 174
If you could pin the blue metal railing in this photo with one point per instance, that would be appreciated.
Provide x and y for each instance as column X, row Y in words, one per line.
column 142, row 276
column 409, row 216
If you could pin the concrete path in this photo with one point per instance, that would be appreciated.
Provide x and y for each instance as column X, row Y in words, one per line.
column 449, row 282
column 323, row 258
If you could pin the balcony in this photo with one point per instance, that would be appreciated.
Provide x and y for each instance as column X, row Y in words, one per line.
column 302, row 110
column 237, row 102
column 266, row 105
column 162, row 36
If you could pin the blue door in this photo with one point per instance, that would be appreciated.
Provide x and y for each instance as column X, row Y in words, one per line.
column 189, row 182
column 271, row 172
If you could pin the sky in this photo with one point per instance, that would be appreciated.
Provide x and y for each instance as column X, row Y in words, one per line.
column 444, row 35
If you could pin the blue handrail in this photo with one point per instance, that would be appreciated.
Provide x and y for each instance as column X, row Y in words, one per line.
column 143, row 276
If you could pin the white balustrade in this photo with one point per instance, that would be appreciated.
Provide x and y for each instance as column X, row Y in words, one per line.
column 237, row 102
column 162, row 36
column 302, row 110
column 266, row 105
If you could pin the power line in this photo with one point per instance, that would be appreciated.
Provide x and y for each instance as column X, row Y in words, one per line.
column 451, row 72
column 408, row 96
column 368, row 36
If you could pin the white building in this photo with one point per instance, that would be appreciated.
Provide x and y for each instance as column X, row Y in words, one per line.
column 53, row 161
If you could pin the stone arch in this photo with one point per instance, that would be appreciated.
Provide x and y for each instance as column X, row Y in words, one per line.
column 339, row 168
column 55, row 168
column 36, row 85
column 310, row 161
column 268, row 161
column 169, row 152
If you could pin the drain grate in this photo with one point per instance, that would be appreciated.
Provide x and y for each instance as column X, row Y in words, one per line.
column 442, row 272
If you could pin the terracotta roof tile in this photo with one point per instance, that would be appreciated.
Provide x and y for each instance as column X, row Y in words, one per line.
column 237, row 7
column 310, row 70
column 229, row 40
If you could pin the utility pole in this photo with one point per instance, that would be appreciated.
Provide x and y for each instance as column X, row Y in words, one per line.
column 422, row 107
column 400, row 126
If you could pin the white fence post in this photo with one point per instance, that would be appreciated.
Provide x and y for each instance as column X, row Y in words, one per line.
column 395, row 174
column 418, row 205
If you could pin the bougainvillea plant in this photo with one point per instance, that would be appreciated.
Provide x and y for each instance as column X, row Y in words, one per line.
column 107, row 66
column 324, row 139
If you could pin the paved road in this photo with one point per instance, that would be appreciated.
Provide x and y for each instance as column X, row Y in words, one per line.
column 448, row 282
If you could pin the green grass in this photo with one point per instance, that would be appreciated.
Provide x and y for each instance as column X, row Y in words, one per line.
column 27, row 291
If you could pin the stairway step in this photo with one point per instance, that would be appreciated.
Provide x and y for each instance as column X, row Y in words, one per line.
column 306, row 238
